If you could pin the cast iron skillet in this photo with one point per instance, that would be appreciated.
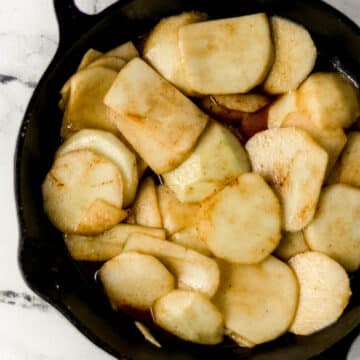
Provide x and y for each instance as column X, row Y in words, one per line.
column 44, row 261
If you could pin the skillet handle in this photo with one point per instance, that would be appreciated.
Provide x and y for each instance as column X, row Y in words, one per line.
column 71, row 21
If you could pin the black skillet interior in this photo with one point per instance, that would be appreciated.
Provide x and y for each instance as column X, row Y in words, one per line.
column 44, row 261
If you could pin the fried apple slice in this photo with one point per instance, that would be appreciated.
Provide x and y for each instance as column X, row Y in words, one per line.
column 347, row 170
column 331, row 140
column 331, row 100
column 324, row 292
column 295, row 56
column 83, row 193
column 175, row 214
column 190, row 316
column 281, row 108
column 135, row 281
column 189, row 238
column 217, row 159
column 242, row 222
column 146, row 206
column 226, row 56
column 335, row 228
column 192, row 270
column 126, row 51
column 108, row 244
column 109, row 146
column 90, row 56
column 85, row 107
column 291, row 244
column 258, row 301
column 146, row 333
column 161, row 49
column 162, row 124
column 294, row 164
column 108, row 62
column 248, row 103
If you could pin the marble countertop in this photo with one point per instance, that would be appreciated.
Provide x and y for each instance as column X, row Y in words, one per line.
column 28, row 40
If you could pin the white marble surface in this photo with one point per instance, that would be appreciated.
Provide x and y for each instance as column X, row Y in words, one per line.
column 29, row 328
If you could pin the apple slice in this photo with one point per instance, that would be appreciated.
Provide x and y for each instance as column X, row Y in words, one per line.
column 331, row 100
column 135, row 281
column 347, row 170
column 335, row 229
column 161, row 49
column 108, row 62
column 83, row 193
column 90, row 56
column 295, row 56
column 175, row 214
column 226, row 56
column 108, row 244
column 192, row 270
column 324, row 292
column 291, row 244
column 217, row 159
column 281, row 108
column 331, row 140
column 85, row 107
column 108, row 145
column 190, row 316
column 146, row 206
column 294, row 164
column 162, row 124
column 242, row 222
column 248, row 103
column 145, row 332
column 258, row 301
column 126, row 51
column 189, row 238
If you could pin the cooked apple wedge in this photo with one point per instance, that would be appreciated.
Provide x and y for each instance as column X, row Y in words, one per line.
column 162, row 124
column 108, row 244
column 335, row 228
column 291, row 244
column 175, row 214
column 189, row 238
column 258, row 301
column 226, row 56
column 242, row 222
column 331, row 100
column 90, row 56
column 331, row 140
column 83, row 193
column 243, row 125
column 126, row 51
column 190, row 316
column 85, row 107
column 248, row 103
column 108, row 145
column 281, row 108
column 108, row 62
column 295, row 56
column 219, row 112
column 294, row 164
column 146, row 206
column 162, row 51
column 135, row 281
column 240, row 340
column 192, row 270
column 347, row 170
column 324, row 292
column 217, row 159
